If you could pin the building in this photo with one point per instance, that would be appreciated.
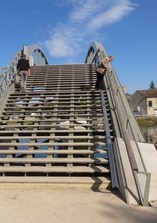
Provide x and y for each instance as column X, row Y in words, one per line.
column 144, row 102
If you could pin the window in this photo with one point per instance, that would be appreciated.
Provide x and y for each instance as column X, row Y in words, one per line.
column 150, row 103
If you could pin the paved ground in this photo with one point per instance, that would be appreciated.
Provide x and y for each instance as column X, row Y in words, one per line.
column 68, row 205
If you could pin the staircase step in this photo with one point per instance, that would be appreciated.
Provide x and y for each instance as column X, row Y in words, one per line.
column 53, row 144
column 92, row 182
column 93, row 138
column 54, row 160
column 51, row 92
column 58, row 151
column 35, row 131
column 54, row 169
column 44, row 125
column 52, row 96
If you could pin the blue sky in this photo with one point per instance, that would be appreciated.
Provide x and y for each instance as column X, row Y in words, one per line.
column 64, row 30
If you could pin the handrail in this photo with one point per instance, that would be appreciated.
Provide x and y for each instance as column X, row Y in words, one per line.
column 95, row 54
column 129, row 129
column 133, row 163
column 108, row 136
column 122, row 125
column 109, row 144
column 125, row 135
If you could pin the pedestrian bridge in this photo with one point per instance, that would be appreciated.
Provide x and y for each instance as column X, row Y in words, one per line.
column 61, row 130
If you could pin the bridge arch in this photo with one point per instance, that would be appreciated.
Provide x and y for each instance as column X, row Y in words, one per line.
column 96, row 53
column 35, row 55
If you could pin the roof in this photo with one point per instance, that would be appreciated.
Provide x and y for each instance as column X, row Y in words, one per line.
column 151, row 93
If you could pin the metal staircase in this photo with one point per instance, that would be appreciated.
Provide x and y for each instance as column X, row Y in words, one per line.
column 56, row 129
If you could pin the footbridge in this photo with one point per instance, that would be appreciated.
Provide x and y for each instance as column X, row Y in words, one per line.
column 61, row 130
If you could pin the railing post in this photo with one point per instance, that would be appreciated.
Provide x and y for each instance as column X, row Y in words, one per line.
column 109, row 144
column 147, row 189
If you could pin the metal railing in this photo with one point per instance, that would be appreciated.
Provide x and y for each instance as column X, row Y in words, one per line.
column 127, row 130
column 127, row 126
column 109, row 144
column 6, row 79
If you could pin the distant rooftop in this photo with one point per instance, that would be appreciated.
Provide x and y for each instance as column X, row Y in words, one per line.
column 151, row 93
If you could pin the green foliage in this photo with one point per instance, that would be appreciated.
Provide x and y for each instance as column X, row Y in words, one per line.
column 152, row 85
column 147, row 121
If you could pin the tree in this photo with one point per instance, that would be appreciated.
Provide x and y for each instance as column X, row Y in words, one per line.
column 152, row 85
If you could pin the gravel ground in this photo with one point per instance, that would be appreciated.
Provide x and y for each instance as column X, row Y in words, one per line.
column 68, row 205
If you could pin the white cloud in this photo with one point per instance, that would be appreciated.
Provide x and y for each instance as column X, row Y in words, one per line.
column 58, row 47
column 115, row 13
column 84, row 10
column 86, row 19
column 58, row 43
